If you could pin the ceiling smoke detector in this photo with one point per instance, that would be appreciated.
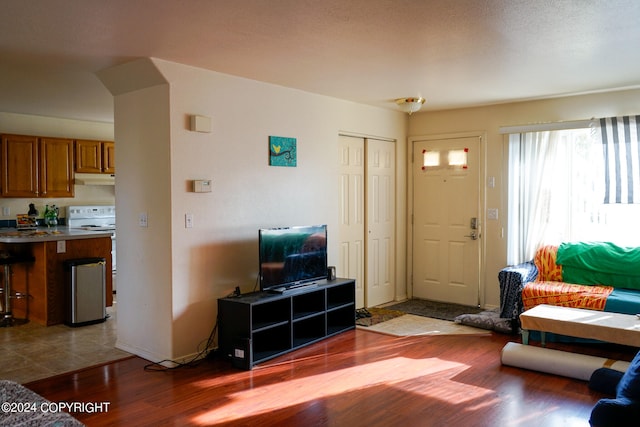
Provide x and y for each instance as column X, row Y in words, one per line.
column 410, row 105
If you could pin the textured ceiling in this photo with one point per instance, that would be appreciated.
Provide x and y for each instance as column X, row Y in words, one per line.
column 455, row 53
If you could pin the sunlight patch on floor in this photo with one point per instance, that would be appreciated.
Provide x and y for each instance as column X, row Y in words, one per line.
column 390, row 372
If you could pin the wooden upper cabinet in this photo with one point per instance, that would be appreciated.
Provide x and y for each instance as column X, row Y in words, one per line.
column 94, row 156
column 108, row 157
column 88, row 156
column 36, row 167
column 56, row 167
column 19, row 166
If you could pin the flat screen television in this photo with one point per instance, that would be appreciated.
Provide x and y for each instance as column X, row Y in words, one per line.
column 292, row 256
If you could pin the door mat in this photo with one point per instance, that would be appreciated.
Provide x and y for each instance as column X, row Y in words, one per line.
column 373, row 316
column 434, row 309
column 412, row 325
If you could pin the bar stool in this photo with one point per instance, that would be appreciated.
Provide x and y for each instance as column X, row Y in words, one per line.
column 8, row 294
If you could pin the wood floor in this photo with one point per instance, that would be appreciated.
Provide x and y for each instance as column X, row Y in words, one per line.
column 357, row 378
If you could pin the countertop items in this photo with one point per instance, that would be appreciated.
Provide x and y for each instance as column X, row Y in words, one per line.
column 44, row 234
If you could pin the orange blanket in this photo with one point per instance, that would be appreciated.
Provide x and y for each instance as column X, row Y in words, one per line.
column 593, row 297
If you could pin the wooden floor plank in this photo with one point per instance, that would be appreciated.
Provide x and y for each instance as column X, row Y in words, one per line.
column 357, row 378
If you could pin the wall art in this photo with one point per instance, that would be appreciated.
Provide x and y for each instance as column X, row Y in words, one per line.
column 282, row 151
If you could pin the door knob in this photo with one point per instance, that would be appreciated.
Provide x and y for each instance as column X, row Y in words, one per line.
column 473, row 235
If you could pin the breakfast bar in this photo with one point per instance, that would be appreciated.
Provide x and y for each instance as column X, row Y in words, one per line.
column 44, row 280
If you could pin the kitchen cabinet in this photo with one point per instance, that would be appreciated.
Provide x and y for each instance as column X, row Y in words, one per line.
column 95, row 156
column 36, row 167
column 108, row 157
column 45, row 280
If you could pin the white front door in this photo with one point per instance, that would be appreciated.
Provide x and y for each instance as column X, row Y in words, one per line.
column 446, row 224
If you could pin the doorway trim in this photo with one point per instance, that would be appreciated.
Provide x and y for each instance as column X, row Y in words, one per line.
column 482, row 135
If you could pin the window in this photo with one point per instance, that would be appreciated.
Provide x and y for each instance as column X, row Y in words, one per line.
column 557, row 193
column 455, row 159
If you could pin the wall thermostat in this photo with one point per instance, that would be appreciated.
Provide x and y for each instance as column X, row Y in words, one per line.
column 201, row 185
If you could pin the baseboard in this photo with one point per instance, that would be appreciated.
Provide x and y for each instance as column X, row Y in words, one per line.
column 166, row 361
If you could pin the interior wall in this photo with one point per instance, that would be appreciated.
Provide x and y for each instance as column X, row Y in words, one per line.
column 489, row 119
column 24, row 124
column 142, row 123
column 220, row 252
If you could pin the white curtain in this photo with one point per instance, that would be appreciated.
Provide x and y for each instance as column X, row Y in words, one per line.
column 551, row 189
column 532, row 161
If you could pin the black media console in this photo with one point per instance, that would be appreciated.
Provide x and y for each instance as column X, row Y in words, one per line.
column 262, row 325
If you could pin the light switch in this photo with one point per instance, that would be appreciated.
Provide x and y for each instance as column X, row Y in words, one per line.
column 188, row 220
column 143, row 220
column 492, row 214
column 61, row 246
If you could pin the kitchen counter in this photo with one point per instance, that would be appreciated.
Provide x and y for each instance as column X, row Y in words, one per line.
column 44, row 234
column 46, row 280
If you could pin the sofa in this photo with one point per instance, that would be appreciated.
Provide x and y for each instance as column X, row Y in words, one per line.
column 590, row 275
column 623, row 408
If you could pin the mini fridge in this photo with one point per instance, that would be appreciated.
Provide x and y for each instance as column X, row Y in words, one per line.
column 85, row 295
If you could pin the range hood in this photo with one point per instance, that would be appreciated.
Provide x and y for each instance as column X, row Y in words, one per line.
column 95, row 179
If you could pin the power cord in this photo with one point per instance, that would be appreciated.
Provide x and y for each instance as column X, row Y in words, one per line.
column 257, row 285
column 193, row 362
column 159, row 367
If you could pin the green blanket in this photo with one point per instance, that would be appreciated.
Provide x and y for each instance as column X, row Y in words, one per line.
column 600, row 263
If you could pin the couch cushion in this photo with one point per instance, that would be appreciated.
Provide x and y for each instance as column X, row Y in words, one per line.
column 545, row 261
column 615, row 413
column 629, row 385
column 626, row 301
column 600, row 263
column 565, row 294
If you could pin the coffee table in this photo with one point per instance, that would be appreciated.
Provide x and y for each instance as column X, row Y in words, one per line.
column 577, row 322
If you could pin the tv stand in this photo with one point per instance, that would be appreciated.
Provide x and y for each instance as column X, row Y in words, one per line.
column 259, row 326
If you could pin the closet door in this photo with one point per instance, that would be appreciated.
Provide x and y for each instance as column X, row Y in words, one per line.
column 380, row 222
column 352, row 192
column 367, row 218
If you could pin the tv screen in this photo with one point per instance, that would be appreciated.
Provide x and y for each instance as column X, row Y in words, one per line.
column 292, row 256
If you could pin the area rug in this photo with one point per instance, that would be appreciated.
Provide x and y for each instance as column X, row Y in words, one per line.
column 376, row 315
column 413, row 325
column 434, row 309
column 23, row 407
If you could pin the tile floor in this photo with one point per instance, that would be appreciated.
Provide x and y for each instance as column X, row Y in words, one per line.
column 30, row 352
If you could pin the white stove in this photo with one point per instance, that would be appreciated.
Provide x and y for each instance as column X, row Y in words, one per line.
column 91, row 217
column 97, row 218
column 111, row 227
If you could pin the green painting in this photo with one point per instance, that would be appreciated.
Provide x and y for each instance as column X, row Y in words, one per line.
column 282, row 151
